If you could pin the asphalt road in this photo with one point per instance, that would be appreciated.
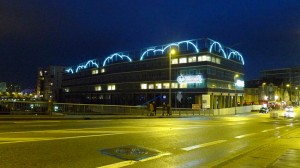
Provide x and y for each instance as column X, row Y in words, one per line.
column 152, row 142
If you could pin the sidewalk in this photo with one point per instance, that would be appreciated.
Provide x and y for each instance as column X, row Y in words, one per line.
column 283, row 152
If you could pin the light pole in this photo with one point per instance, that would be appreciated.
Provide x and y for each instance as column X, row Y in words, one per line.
column 235, row 95
column 172, row 52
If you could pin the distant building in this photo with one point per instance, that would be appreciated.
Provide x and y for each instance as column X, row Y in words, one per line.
column 202, row 72
column 279, row 86
column 49, row 82
column 10, row 87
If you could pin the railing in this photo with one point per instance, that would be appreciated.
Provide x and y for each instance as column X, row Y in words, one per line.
column 46, row 108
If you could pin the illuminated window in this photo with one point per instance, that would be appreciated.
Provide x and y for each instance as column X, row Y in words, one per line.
column 166, row 85
column 67, row 90
column 204, row 58
column 111, row 87
column 213, row 59
column 183, row 85
column 51, row 84
column 182, row 60
column 95, row 71
column 193, row 59
column 98, row 88
column 158, row 86
column 151, row 86
column 143, row 86
column 218, row 61
column 174, row 85
column 41, row 73
column 102, row 70
column 175, row 61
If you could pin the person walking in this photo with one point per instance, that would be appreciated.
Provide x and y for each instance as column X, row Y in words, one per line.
column 151, row 109
column 154, row 108
column 163, row 108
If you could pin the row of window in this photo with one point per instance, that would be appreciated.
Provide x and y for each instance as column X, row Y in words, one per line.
column 145, row 86
column 109, row 87
column 183, row 60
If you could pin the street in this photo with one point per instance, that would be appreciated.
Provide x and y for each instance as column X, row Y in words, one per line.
column 152, row 142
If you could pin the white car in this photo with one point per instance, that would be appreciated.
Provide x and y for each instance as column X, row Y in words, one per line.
column 289, row 112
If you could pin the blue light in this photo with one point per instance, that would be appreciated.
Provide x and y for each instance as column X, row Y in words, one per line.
column 116, row 55
column 69, row 70
column 220, row 48
column 90, row 63
column 235, row 53
column 177, row 44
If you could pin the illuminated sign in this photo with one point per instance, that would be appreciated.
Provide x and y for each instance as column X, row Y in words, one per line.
column 240, row 83
column 189, row 79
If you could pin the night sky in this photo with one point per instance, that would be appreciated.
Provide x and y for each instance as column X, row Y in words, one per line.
column 39, row 33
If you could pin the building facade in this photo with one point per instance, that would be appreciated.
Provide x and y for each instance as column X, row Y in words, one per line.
column 200, row 72
column 49, row 83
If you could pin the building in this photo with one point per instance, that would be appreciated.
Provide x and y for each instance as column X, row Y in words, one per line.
column 276, row 86
column 203, row 72
column 49, row 83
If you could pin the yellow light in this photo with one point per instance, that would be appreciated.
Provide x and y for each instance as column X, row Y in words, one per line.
column 288, row 85
column 264, row 83
column 172, row 52
column 236, row 76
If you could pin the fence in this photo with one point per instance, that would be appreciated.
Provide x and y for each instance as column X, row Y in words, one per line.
column 46, row 108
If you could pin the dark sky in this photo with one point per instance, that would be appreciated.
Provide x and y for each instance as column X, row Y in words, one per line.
column 39, row 33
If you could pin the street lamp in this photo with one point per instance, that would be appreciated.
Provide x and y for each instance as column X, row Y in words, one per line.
column 235, row 95
column 172, row 52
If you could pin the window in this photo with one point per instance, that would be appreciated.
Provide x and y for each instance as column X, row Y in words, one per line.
column 183, row 85
column 95, row 71
column 102, row 70
column 193, row 59
column 182, row 60
column 204, row 58
column 218, row 61
column 213, row 59
column 174, row 85
column 166, row 85
column 158, row 86
column 111, row 87
column 151, row 86
column 67, row 90
column 174, row 61
column 98, row 88
column 143, row 86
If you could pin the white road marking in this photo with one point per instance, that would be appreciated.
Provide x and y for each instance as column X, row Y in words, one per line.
column 32, row 122
column 131, row 162
column 203, row 145
column 246, row 135
column 268, row 130
column 119, row 164
column 20, row 140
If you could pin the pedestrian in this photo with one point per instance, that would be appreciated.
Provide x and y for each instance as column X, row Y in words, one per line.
column 151, row 109
column 168, row 110
column 163, row 108
column 154, row 108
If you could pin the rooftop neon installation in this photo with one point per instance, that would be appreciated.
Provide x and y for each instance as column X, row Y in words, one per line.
column 192, row 46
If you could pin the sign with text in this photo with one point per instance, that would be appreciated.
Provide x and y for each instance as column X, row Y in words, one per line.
column 189, row 79
column 206, row 101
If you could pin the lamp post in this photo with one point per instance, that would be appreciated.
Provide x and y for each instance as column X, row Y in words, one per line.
column 235, row 94
column 172, row 52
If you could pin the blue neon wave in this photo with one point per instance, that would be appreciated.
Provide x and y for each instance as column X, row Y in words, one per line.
column 90, row 63
column 220, row 48
column 235, row 53
column 69, row 70
column 110, row 58
column 168, row 46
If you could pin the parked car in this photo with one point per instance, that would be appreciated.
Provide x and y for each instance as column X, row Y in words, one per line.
column 289, row 112
column 264, row 110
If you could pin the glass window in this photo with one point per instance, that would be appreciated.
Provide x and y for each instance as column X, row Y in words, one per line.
column 213, row 59
column 98, row 88
column 143, row 86
column 67, row 90
column 102, row 70
column 95, row 71
column 174, row 85
column 166, row 85
column 183, row 85
column 200, row 58
column 174, row 61
column 158, row 86
column 182, row 60
column 193, row 59
column 218, row 61
column 111, row 87
column 151, row 86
